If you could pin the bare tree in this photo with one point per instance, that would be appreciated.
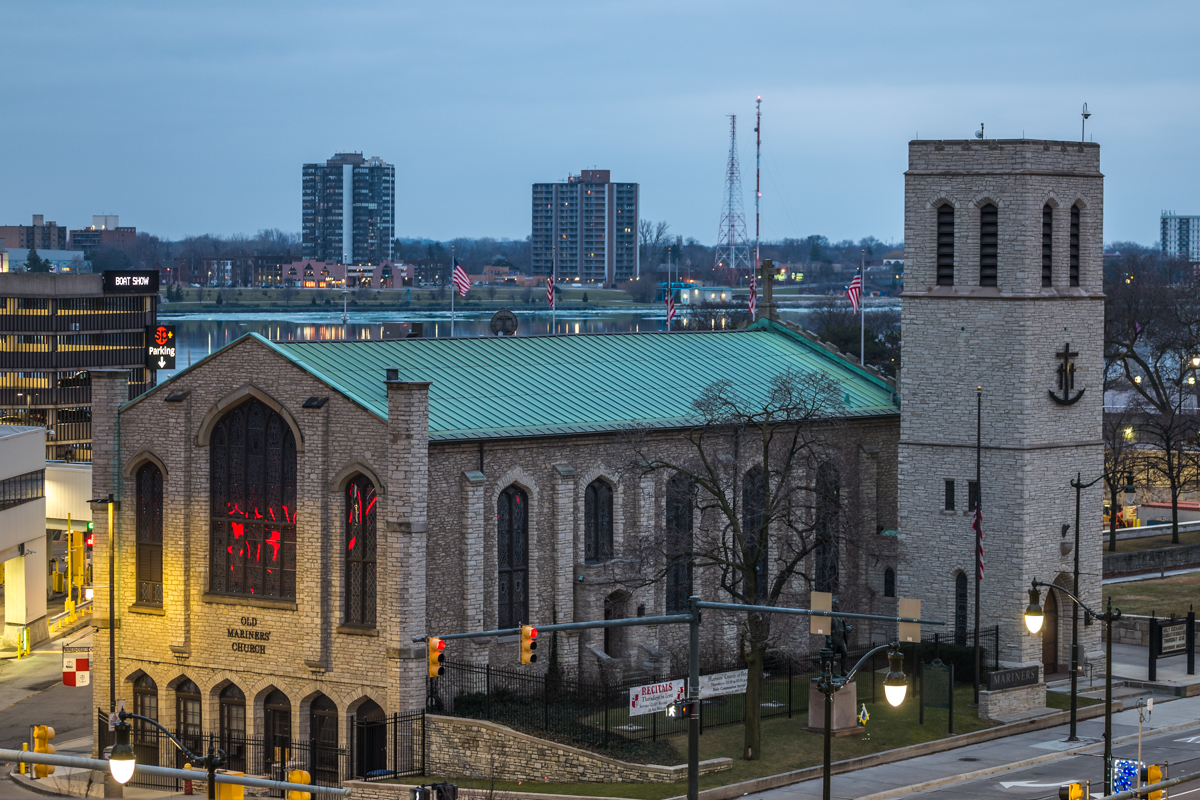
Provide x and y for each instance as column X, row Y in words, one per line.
column 1120, row 460
column 654, row 237
column 766, row 468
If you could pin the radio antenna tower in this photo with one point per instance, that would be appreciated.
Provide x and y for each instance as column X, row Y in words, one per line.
column 732, row 248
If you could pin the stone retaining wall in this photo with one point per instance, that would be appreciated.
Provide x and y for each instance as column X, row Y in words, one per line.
column 1184, row 555
column 1011, row 701
column 1135, row 630
column 480, row 750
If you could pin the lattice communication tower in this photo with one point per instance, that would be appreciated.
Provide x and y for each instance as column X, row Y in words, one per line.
column 733, row 250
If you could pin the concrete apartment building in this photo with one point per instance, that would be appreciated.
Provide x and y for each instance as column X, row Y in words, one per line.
column 349, row 210
column 589, row 225
column 40, row 235
column 104, row 231
column 23, row 532
column 1180, row 236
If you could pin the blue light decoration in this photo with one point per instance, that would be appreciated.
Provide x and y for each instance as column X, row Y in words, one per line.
column 1124, row 774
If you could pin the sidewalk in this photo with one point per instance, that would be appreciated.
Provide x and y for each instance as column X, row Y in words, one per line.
column 964, row 763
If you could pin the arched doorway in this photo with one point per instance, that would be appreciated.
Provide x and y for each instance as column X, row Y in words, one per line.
column 277, row 716
column 370, row 739
column 187, row 718
column 614, row 639
column 960, row 608
column 323, row 740
column 145, row 735
column 233, row 727
column 1050, row 633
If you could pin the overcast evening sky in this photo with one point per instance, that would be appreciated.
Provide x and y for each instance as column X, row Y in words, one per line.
column 196, row 118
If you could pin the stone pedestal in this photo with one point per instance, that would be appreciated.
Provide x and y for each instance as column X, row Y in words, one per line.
column 845, row 710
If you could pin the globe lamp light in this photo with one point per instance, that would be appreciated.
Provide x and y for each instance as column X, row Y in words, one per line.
column 1033, row 612
column 121, row 762
column 895, row 686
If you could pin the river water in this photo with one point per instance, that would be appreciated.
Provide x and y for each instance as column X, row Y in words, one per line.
column 203, row 333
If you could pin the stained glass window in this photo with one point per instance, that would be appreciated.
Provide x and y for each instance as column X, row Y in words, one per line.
column 679, row 542
column 754, row 497
column 361, row 508
column 828, row 501
column 149, row 565
column 598, row 522
column 512, row 541
column 253, row 504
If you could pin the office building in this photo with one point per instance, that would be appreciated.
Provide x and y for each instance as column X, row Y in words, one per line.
column 41, row 235
column 105, row 231
column 589, row 225
column 349, row 207
column 53, row 330
column 1180, row 236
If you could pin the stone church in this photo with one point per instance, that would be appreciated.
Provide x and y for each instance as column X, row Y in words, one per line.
column 290, row 515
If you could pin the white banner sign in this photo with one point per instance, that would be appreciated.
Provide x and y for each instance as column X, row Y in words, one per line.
column 655, row 696
column 723, row 683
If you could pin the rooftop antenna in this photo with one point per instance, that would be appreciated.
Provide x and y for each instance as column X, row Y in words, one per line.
column 732, row 249
column 1083, row 123
column 979, row 133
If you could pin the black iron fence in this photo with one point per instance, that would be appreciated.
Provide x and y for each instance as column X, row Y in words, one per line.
column 392, row 747
column 597, row 715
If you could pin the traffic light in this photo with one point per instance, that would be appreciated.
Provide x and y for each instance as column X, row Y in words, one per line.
column 1073, row 791
column 436, row 657
column 1154, row 773
column 681, row 709
column 42, row 736
column 528, row 644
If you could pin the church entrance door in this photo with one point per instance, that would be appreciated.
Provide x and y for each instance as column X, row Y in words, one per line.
column 1050, row 634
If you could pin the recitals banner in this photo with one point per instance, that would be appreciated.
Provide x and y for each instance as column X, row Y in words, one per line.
column 657, row 696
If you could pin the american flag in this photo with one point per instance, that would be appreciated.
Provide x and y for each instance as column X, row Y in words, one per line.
column 855, row 291
column 550, row 291
column 753, row 297
column 461, row 280
column 978, row 526
column 670, row 307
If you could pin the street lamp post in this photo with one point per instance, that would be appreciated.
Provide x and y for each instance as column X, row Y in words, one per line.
column 895, row 686
column 1033, row 621
column 122, row 760
column 1079, row 486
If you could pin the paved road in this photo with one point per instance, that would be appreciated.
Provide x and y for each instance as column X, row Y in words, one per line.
column 32, row 693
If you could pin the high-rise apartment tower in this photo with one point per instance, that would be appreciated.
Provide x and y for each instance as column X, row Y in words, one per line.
column 349, row 214
column 588, row 223
column 1180, row 236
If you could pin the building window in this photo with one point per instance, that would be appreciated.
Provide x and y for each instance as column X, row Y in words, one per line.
column 960, row 609
column 23, row 488
column 253, row 504
column 989, row 241
column 149, row 535
column 679, row 542
column 323, row 731
column 828, row 501
column 945, row 245
column 512, row 542
column 1047, row 245
column 949, row 495
column 277, row 718
column 597, row 522
column 1075, row 245
column 187, row 715
column 755, row 547
column 145, row 703
column 972, row 495
column 233, row 727
column 889, row 582
column 361, row 507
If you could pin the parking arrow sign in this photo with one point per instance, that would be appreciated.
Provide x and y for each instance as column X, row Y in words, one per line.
column 160, row 347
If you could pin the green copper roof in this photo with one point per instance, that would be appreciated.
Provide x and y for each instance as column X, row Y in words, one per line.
column 484, row 388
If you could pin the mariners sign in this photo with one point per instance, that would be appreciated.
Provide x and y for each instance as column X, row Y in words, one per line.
column 160, row 347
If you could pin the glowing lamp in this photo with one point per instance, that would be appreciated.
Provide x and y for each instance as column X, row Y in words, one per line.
column 895, row 686
column 1033, row 612
column 121, row 762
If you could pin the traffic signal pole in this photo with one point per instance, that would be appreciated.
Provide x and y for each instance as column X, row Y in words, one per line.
column 692, row 618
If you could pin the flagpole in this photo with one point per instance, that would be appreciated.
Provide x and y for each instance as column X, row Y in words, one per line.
column 553, row 297
column 979, row 523
column 453, row 291
column 862, row 312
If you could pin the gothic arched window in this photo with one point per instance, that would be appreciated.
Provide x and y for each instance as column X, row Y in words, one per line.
column 828, row 501
column 187, row 714
column 960, row 608
column 1075, row 245
column 889, row 582
column 145, row 703
column 679, row 542
column 252, row 490
column 597, row 522
column 945, row 245
column 233, row 726
column 754, row 491
column 512, row 543
column 989, row 244
column 149, row 560
column 361, row 506
column 1047, row 245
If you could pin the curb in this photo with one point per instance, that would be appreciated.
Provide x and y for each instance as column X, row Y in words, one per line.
column 733, row 790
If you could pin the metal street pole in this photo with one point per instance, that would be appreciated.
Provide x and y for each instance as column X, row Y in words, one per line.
column 693, row 790
column 979, row 531
column 1073, row 737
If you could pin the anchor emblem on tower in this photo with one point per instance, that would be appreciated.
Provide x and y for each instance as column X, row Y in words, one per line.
column 1066, row 378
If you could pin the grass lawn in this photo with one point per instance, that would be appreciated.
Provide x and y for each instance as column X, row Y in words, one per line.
column 1062, row 702
column 1153, row 542
column 1160, row 595
column 786, row 746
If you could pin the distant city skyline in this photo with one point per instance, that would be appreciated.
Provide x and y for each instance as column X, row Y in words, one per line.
column 196, row 119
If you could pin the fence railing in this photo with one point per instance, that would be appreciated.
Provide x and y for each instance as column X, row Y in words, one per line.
column 392, row 747
column 595, row 714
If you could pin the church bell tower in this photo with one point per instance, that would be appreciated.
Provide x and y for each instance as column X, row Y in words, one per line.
column 1004, row 291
